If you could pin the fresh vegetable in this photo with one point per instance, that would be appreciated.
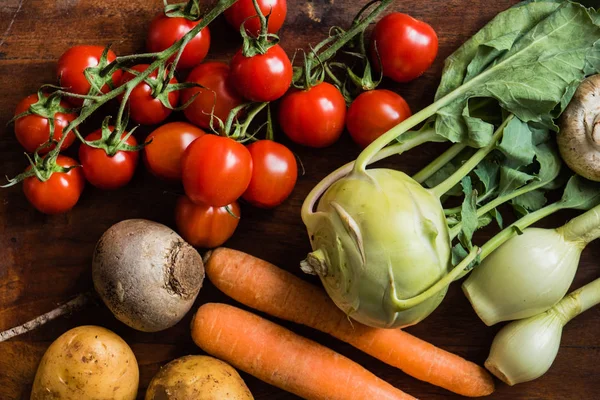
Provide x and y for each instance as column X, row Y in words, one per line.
column 198, row 378
column 81, row 64
column 109, row 166
column 263, row 286
column 146, row 274
column 532, row 271
column 58, row 193
column 243, row 11
column 36, row 117
column 403, row 47
column 271, row 353
column 216, row 170
column 381, row 242
column 166, row 29
column 313, row 117
column 165, row 147
column 218, row 99
column 524, row 350
column 264, row 76
column 373, row 113
column 152, row 101
column 274, row 174
column 579, row 135
column 206, row 226
column 87, row 362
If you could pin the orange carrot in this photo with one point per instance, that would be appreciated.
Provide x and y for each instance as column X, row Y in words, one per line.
column 280, row 357
column 265, row 287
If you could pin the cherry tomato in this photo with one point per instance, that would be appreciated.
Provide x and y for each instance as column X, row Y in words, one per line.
column 145, row 109
column 215, row 77
column 167, row 144
column 241, row 10
column 164, row 31
column 205, row 226
column 313, row 117
column 373, row 113
column 107, row 172
column 216, row 170
column 274, row 173
column 263, row 77
column 33, row 130
column 406, row 46
column 72, row 64
column 58, row 194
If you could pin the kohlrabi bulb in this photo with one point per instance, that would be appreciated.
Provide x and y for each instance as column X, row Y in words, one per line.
column 524, row 350
column 523, row 277
column 380, row 238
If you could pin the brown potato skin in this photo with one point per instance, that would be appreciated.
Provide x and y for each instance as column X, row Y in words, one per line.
column 87, row 362
column 198, row 378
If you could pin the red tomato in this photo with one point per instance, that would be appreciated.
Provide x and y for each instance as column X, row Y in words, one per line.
column 145, row 109
column 263, row 77
column 107, row 172
column 406, row 46
column 274, row 173
column 241, row 10
column 205, row 226
column 72, row 64
column 164, row 31
column 58, row 194
column 373, row 113
column 313, row 117
column 216, row 170
column 33, row 130
column 168, row 143
column 215, row 77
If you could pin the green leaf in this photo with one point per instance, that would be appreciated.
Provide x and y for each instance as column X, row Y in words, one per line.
column 468, row 213
column 488, row 172
column 441, row 175
column 458, row 254
column 553, row 46
column 512, row 179
column 581, row 194
column 517, row 144
column 531, row 201
column 498, row 217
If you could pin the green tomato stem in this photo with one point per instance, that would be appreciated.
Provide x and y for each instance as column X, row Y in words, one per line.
column 584, row 228
column 439, row 162
column 471, row 163
column 519, row 225
column 439, row 285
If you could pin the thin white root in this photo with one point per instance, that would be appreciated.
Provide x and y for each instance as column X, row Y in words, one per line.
column 76, row 304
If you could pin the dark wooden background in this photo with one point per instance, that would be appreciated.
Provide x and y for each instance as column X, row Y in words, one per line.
column 45, row 260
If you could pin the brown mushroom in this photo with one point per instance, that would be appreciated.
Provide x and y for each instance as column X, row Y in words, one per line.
column 579, row 137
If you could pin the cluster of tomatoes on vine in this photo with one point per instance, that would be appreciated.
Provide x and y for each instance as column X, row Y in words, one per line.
column 215, row 169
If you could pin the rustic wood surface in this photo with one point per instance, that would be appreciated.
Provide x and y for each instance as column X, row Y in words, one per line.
column 45, row 260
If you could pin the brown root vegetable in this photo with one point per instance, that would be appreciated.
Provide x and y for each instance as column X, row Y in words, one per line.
column 87, row 362
column 146, row 274
column 198, row 378
column 579, row 136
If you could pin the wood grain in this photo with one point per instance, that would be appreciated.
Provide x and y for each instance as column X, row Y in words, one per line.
column 45, row 260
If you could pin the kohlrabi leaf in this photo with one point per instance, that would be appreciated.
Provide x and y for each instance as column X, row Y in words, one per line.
column 498, row 217
column 458, row 254
column 531, row 201
column 488, row 173
column 468, row 213
column 552, row 47
column 581, row 194
column 512, row 179
column 517, row 144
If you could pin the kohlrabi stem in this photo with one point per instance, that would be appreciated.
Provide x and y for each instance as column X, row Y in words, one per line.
column 578, row 301
column 584, row 228
column 439, row 162
column 471, row 163
column 439, row 285
column 398, row 148
column 520, row 225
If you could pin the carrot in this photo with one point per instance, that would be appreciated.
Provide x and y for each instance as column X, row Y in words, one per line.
column 280, row 357
column 265, row 287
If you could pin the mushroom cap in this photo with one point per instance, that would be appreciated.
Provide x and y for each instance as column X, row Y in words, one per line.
column 579, row 136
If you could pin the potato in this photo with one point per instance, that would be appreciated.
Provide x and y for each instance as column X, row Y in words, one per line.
column 146, row 274
column 197, row 378
column 87, row 362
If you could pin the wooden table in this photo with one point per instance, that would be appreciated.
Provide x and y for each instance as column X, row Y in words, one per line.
column 45, row 260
